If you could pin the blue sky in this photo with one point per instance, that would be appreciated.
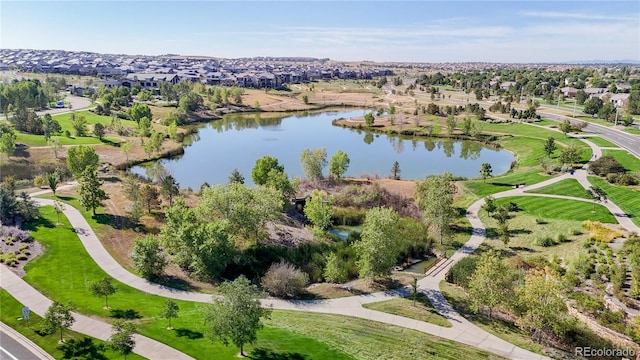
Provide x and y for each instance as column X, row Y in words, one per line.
column 422, row 31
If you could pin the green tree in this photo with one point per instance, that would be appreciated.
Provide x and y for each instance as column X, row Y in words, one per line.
column 91, row 193
column 236, row 316
column 339, row 164
column 593, row 106
column 502, row 216
column 79, row 124
column 236, row 177
column 53, row 179
column 434, row 197
column 491, row 284
column 565, row 127
column 8, row 144
column 125, row 148
column 173, row 131
column 489, row 205
column 485, row 171
column 104, row 288
column 633, row 104
column 139, row 111
column 98, row 130
column 147, row 258
column 369, row 119
column 313, row 162
column 262, row 168
column 80, row 159
column 169, row 188
column 395, row 170
column 581, row 97
column 379, row 248
column 150, row 197
column 169, row 311
column 50, row 126
column 59, row 208
column 570, row 155
column 305, row 99
column 467, row 125
column 542, row 303
column 144, row 127
column 122, row 339
column 550, row 146
column 319, row 209
column 57, row 318
column 451, row 124
column 334, row 270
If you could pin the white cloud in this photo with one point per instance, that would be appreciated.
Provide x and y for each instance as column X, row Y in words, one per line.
column 578, row 15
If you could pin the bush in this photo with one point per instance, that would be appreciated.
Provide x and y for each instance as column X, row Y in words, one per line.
column 560, row 238
column 605, row 165
column 599, row 232
column 350, row 216
column 540, row 221
column 612, row 178
column 627, row 180
column 284, row 280
column 461, row 272
column 544, row 241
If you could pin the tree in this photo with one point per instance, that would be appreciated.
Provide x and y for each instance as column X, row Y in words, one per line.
column 467, row 125
column 53, row 179
column 38, row 181
column 236, row 316
column 236, row 177
column 485, row 171
column 169, row 188
column 593, row 106
column 581, row 97
column 59, row 208
column 150, row 197
column 262, row 168
column 570, row 155
column 104, row 288
column 319, row 209
column 139, row 111
column 54, row 144
column 154, row 144
column 491, row 284
column 335, row 270
column 79, row 124
column 451, row 124
column 414, row 290
column 284, row 280
column 369, row 119
column 98, row 130
column 80, row 159
column 58, row 317
column 606, row 164
column 502, row 216
column 434, row 197
column 122, row 339
column 144, row 127
column 169, row 311
column 597, row 194
column 565, row 127
column 50, row 126
column 8, row 144
column 125, row 148
column 91, row 195
column 550, row 146
column 378, row 249
column 395, row 170
column 489, row 205
column 305, row 99
column 147, row 258
column 313, row 162
column 542, row 304
column 339, row 164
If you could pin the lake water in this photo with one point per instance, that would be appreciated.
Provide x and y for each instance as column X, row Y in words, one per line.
column 238, row 140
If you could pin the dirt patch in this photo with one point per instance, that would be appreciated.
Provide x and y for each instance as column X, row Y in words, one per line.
column 360, row 286
column 16, row 250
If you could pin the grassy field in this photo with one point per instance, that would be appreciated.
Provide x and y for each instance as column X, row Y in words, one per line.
column 497, row 184
column 66, row 271
column 567, row 187
column 626, row 198
column 12, row 310
column 551, row 208
column 600, row 141
column 423, row 310
column 530, row 151
column 531, row 131
column 630, row 162
column 632, row 130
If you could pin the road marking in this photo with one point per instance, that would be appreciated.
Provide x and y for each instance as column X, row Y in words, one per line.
column 8, row 353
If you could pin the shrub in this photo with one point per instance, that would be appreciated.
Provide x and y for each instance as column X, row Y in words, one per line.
column 599, row 232
column 544, row 241
column 350, row 216
column 605, row 165
column 461, row 272
column 560, row 238
column 612, row 178
column 284, row 280
column 576, row 232
column 627, row 180
column 540, row 221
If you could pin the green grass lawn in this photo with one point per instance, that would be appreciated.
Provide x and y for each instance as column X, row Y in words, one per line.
column 567, row 187
column 65, row 271
column 530, row 151
column 12, row 310
column 423, row 310
column 497, row 184
column 551, row 208
column 629, row 161
column 39, row 140
column 627, row 198
column 601, row 142
column 530, row 131
column 632, row 130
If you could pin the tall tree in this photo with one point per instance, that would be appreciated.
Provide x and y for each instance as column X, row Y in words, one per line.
column 550, row 146
column 8, row 144
column 122, row 339
column 91, row 193
column 379, row 248
column 565, row 127
column 57, row 318
column 236, row 316
column 395, row 170
column 319, row 209
column 103, row 287
column 50, row 126
column 570, row 155
column 169, row 188
column 485, row 171
column 79, row 124
column 313, row 162
column 80, row 158
column 369, row 119
column 339, row 164
column 147, row 258
column 98, row 130
column 150, row 197
column 434, row 196
column 262, row 168
column 53, row 179
column 236, row 177
column 491, row 284
column 502, row 216
column 59, row 208
column 139, row 111
column 169, row 311
column 125, row 148
column 544, row 308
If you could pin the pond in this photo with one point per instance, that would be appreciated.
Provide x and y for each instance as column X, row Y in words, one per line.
column 238, row 140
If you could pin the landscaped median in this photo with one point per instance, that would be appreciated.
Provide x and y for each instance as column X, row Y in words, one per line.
column 65, row 272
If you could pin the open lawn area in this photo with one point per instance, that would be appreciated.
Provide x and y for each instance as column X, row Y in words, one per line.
column 567, row 187
column 632, row 130
column 12, row 310
column 530, row 131
column 530, row 151
column 497, row 184
column 65, row 272
column 600, row 141
column 562, row 209
column 627, row 198
column 423, row 310
column 39, row 140
column 65, row 119
column 630, row 162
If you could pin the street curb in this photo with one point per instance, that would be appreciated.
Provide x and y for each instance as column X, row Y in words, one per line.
column 15, row 335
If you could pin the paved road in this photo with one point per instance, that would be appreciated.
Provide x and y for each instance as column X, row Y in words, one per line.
column 76, row 102
column 14, row 346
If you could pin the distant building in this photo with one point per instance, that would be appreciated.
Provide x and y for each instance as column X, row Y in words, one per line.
column 149, row 80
